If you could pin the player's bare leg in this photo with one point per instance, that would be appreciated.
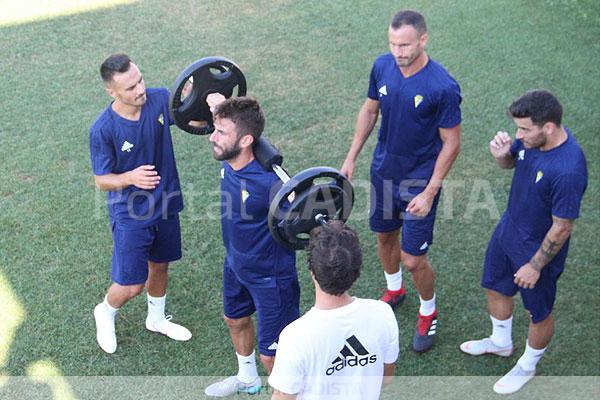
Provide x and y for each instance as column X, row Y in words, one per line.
column 390, row 254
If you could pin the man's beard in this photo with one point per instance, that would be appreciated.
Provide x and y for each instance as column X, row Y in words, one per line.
column 228, row 154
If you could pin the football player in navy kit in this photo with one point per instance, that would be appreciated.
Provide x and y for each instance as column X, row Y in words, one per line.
column 259, row 275
column 132, row 159
column 529, row 246
column 418, row 141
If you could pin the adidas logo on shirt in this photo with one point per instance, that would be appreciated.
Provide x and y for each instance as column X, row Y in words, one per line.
column 353, row 354
column 127, row 147
column 383, row 91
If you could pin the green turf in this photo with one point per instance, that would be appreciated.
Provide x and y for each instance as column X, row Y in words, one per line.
column 308, row 63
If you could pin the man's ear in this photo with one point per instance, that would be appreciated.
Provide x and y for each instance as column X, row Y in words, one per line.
column 110, row 91
column 423, row 39
column 549, row 128
column 247, row 140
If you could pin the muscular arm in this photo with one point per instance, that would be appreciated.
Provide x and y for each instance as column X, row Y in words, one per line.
column 506, row 162
column 421, row 204
column 365, row 122
column 500, row 149
column 143, row 177
column 554, row 240
column 450, row 149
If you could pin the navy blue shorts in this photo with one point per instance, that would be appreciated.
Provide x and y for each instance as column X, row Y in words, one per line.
column 498, row 275
column 132, row 249
column 276, row 305
column 389, row 200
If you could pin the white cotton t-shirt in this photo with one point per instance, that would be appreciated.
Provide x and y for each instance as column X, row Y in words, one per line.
column 338, row 353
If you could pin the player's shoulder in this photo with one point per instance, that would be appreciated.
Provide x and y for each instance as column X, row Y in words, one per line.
column 439, row 77
column 383, row 61
column 158, row 96
column 103, row 123
column 375, row 307
column 570, row 157
column 300, row 328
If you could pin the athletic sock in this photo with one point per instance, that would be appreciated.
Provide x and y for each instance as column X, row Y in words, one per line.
column 394, row 281
column 427, row 306
column 112, row 311
column 246, row 368
column 156, row 308
column 501, row 332
column 530, row 357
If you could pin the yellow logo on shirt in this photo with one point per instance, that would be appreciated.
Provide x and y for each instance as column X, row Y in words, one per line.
column 539, row 176
column 418, row 100
column 245, row 195
column 161, row 119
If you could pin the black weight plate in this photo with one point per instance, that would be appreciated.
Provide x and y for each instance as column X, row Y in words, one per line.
column 318, row 190
column 209, row 75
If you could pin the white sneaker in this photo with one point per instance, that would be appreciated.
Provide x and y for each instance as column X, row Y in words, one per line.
column 166, row 327
column 513, row 380
column 233, row 385
column 485, row 346
column 105, row 329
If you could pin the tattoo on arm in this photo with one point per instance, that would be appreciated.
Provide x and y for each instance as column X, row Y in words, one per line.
column 553, row 242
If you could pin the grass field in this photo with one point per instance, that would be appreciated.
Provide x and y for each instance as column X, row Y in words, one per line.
column 308, row 63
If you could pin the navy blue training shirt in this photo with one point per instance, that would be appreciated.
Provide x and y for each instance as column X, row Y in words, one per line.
column 545, row 184
column 412, row 111
column 256, row 258
column 119, row 145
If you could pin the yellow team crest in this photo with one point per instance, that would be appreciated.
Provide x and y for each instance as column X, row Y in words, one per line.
column 245, row 195
column 161, row 119
column 539, row 176
column 418, row 100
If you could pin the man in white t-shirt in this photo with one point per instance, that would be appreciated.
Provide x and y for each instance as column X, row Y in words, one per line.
column 343, row 347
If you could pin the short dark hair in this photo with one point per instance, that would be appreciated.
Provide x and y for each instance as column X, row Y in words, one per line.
column 334, row 257
column 246, row 114
column 115, row 63
column 540, row 105
column 409, row 17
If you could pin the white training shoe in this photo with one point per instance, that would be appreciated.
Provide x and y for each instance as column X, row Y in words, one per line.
column 485, row 346
column 166, row 327
column 513, row 380
column 105, row 329
column 231, row 386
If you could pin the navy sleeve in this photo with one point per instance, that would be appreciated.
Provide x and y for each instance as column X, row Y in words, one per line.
column 102, row 153
column 167, row 114
column 449, row 114
column 372, row 93
column 567, row 193
column 515, row 147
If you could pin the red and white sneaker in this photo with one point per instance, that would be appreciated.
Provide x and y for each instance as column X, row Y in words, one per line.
column 485, row 346
column 425, row 332
column 394, row 297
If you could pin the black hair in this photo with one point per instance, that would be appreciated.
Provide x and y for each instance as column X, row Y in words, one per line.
column 540, row 105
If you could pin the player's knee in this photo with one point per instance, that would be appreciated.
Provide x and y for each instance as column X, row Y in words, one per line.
column 414, row 263
column 237, row 324
column 267, row 362
column 134, row 290
column 388, row 239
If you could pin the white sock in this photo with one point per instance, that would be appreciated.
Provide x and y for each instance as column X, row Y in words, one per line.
column 246, row 368
column 109, row 309
column 502, row 332
column 427, row 306
column 156, row 308
column 394, row 281
column 530, row 357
